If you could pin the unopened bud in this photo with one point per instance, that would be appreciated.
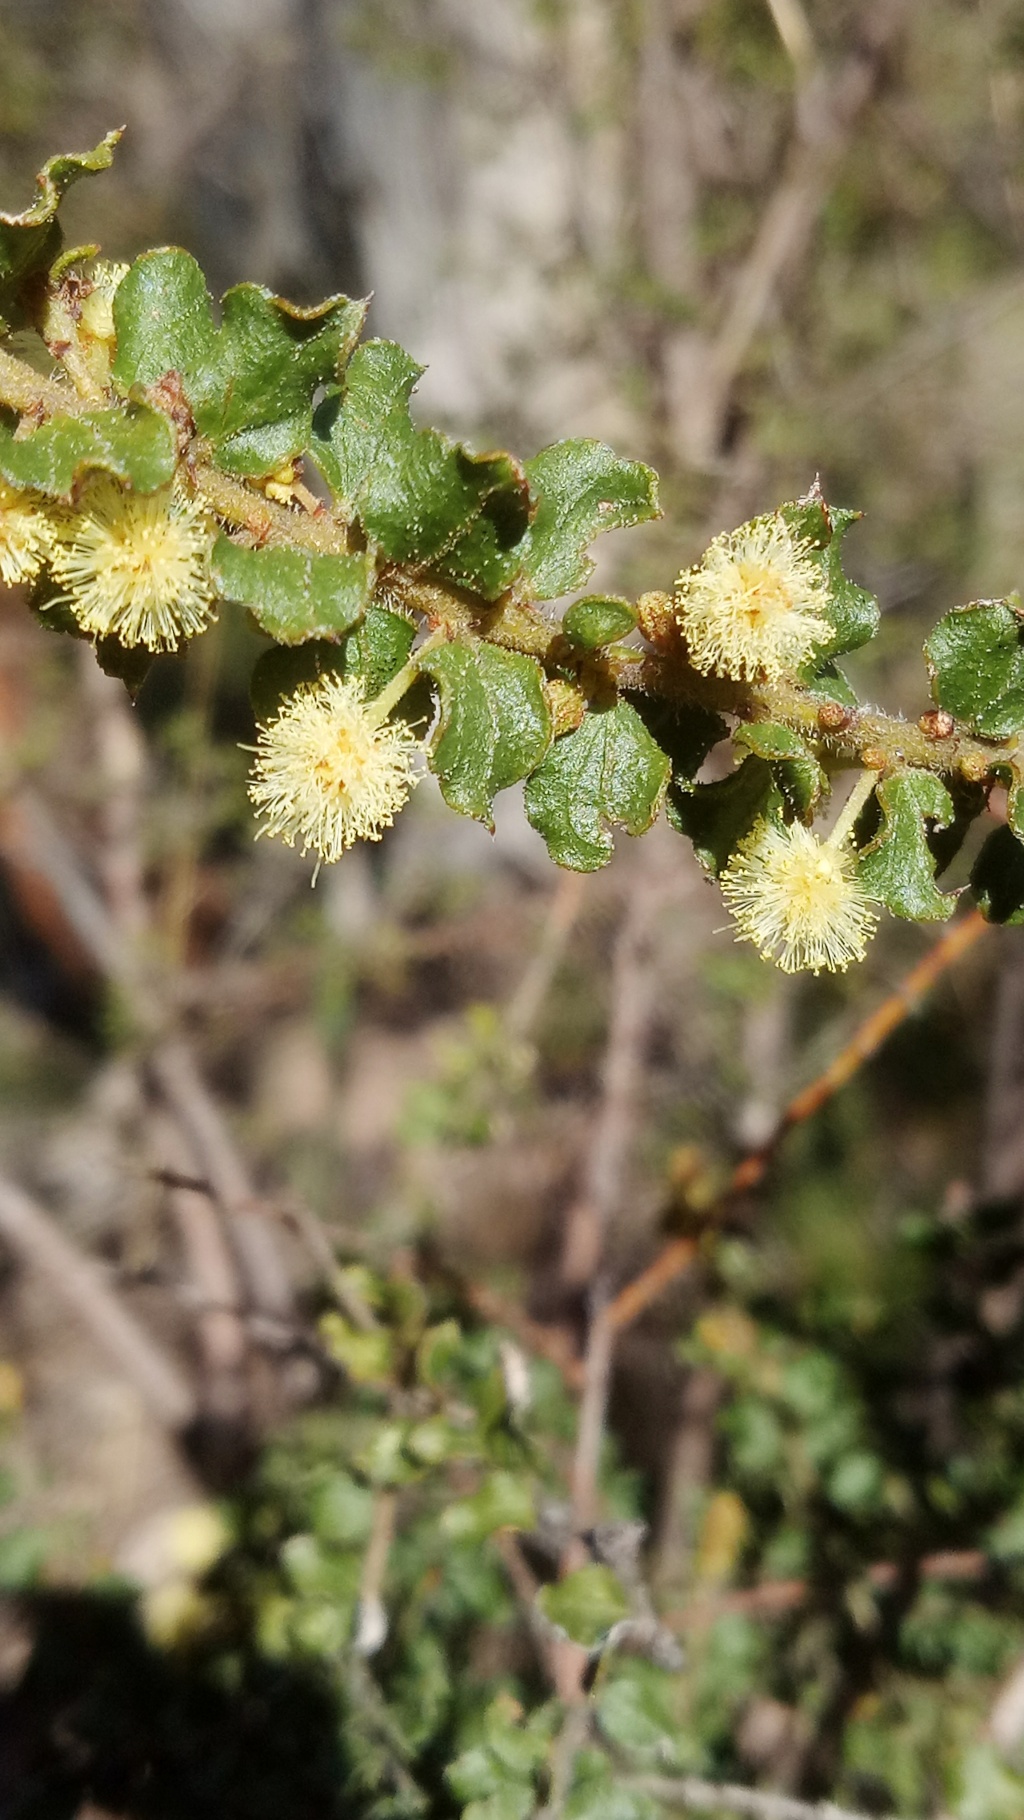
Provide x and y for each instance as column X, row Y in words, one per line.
column 935, row 723
column 656, row 617
column 833, row 717
column 874, row 758
column 567, row 705
column 974, row 767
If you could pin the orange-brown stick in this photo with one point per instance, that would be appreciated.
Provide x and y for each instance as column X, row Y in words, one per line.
column 678, row 1254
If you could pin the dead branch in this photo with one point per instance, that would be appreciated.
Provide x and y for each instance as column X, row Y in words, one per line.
column 32, row 1234
column 679, row 1254
column 691, row 1794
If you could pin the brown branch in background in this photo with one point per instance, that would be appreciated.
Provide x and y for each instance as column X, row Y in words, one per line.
column 680, row 1253
column 371, row 1613
column 80, row 1284
column 633, row 999
column 691, row 1794
column 774, row 1598
column 212, row 1277
column 524, row 1007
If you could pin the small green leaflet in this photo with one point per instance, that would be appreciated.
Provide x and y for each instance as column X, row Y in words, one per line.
column 586, row 1604
column 610, row 771
column 495, row 724
column 598, row 619
column 31, row 241
column 898, row 867
column 418, row 495
column 134, row 444
column 976, row 659
column 794, row 766
column 294, row 595
column 249, row 383
column 581, row 487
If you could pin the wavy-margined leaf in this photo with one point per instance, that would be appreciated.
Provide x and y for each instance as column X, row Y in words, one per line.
column 581, row 487
column 250, row 381
column 31, row 241
column 418, row 495
column 716, row 817
column 495, row 724
column 976, row 659
column 609, row 772
column 852, row 610
column 134, row 443
column 794, row 766
column 294, row 595
column 898, row 865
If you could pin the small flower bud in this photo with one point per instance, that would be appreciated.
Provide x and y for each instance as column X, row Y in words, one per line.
column 974, row 767
column 935, row 723
column 567, row 704
column 873, row 758
column 833, row 717
column 656, row 616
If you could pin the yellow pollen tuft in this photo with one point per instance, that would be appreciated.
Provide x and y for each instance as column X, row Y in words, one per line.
column 328, row 771
column 756, row 605
column 26, row 536
column 135, row 566
column 799, row 900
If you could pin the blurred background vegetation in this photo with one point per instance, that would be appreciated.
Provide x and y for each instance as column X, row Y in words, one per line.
column 749, row 241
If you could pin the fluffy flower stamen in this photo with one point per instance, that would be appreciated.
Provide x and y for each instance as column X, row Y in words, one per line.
column 799, row 899
column 331, row 770
column 136, row 565
column 756, row 604
column 26, row 536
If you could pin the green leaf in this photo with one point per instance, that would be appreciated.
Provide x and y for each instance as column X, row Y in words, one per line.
column 854, row 612
column 495, row 722
column 130, row 664
column 294, row 595
column 634, row 1713
column 30, row 242
column 586, row 1604
column 375, row 652
column 378, row 648
column 610, row 771
column 249, row 382
column 794, row 766
column 341, row 1511
column 717, row 817
column 416, row 493
column 599, row 619
column 503, row 1502
column 997, row 878
column 897, row 866
column 365, row 1354
column 134, row 444
column 581, row 487
column 976, row 660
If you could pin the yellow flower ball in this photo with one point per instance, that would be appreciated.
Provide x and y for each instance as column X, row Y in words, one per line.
column 799, row 900
column 328, row 771
column 135, row 566
column 756, row 605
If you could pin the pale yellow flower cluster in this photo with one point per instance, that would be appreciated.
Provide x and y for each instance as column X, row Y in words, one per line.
column 756, row 605
column 331, row 769
column 135, row 566
column 799, row 899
